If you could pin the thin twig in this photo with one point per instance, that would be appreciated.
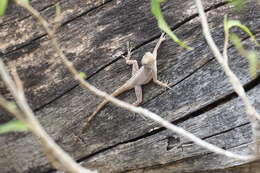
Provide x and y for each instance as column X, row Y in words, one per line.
column 253, row 116
column 59, row 158
column 17, row 81
column 232, row 77
column 11, row 108
column 225, row 56
column 125, row 105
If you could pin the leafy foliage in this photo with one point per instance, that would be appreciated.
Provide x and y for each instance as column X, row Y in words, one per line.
column 13, row 126
column 232, row 23
column 156, row 11
column 250, row 55
column 3, row 5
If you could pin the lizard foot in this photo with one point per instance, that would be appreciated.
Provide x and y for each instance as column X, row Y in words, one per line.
column 163, row 84
column 129, row 52
column 163, row 37
column 168, row 85
column 77, row 139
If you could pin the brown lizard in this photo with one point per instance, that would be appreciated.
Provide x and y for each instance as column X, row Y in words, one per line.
column 140, row 76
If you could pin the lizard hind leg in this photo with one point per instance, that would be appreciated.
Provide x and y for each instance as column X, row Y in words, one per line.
column 139, row 95
column 139, row 98
column 161, row 39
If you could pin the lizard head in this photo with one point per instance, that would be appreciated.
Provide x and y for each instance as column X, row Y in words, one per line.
column 148, row 59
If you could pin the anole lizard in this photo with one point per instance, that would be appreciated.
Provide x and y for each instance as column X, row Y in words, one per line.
column 140, row 76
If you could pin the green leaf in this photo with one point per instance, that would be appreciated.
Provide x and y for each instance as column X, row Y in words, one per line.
column 156, row 11
column 83, row 75
column 252, row 60
column 232, row 23
column 3, row 5
column 13, row 126
column 250, row 55
column 236, row 41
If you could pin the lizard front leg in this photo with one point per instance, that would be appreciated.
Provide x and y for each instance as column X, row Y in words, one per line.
column 161, row 39
column 134, row 63
column 155, row 80
column 135, row 68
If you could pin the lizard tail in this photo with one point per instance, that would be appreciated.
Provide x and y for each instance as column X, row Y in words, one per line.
column 101, row 105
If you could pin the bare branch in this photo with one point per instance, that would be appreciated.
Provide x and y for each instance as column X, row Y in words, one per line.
column 125, row 105
column 59, row 158
column 11, row 108
column 232, row 77
column 162, row 122
column 7, row 78
column 250, row 110
column 225, row 56
column 17, row 80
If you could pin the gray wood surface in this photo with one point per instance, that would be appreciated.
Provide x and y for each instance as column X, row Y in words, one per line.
column 93, row 35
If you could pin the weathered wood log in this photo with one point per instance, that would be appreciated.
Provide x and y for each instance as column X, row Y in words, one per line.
column 93, row 35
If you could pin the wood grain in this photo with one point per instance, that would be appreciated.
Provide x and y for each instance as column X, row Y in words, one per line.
column 93, row 36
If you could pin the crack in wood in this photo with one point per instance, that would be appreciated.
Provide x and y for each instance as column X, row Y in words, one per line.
column 28, row 42
column 248, row 86
column 192, row 157
column 204, row 109
column 176, row 26
column 7, row 22
column 65, row 144
column 172, row 140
